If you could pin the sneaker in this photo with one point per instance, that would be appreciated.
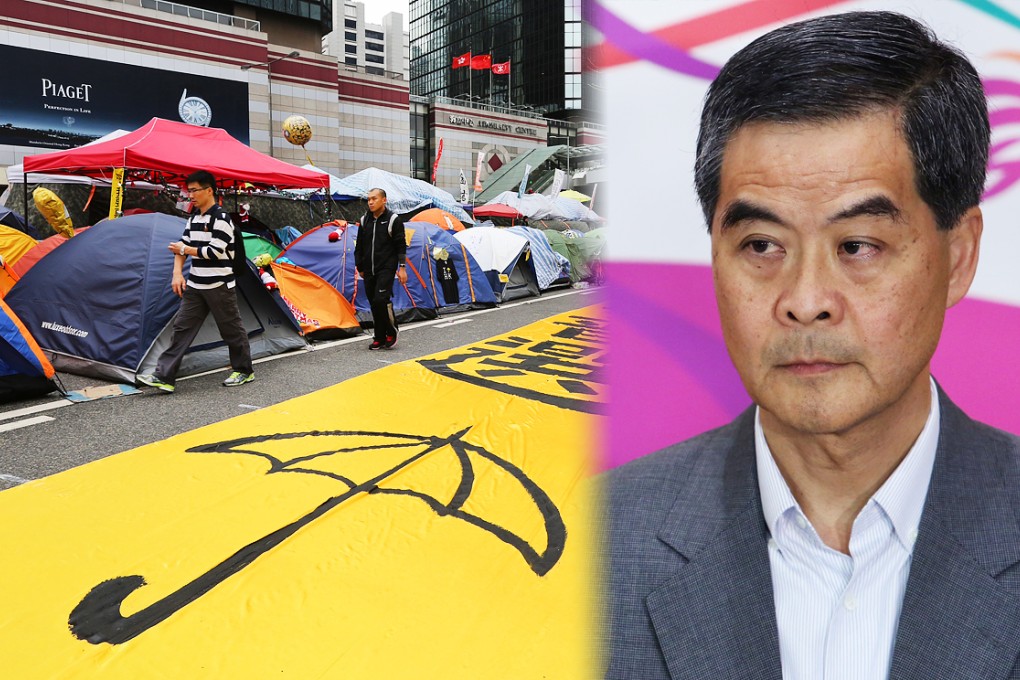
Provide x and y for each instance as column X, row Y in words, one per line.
column 236, row 378
column 390, row 341
column 154, row 381
column 377, row 344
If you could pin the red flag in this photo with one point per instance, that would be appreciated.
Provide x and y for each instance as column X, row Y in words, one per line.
column 435, row 166
column 481, row 62
column 462, row 60
column 501, row 69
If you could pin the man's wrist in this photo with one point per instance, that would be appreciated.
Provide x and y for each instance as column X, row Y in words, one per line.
column 182, row 248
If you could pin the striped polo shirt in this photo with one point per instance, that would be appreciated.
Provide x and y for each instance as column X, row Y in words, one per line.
column 213, row 265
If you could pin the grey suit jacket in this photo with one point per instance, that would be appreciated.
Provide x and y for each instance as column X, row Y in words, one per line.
column 688, row 586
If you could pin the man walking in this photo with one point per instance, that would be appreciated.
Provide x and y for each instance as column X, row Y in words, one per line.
column 379, row 255
column 210, row 239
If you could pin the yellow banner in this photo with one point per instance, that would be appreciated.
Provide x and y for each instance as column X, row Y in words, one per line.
column 426, row 520
column 117, row 193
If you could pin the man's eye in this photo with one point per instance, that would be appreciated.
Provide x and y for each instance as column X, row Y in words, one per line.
column 857, row 248
column 759, row 246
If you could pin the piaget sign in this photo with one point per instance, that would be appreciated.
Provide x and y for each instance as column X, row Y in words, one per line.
column 494, row 125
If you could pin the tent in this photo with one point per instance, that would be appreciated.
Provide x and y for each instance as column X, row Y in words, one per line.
column 461, row 284
column 40, row 250
column 333, row 261
column 440, row 218
column 101, row 304
column 9, row 218
column 24, row 370
column 551, row 268
column 581, row 252
column 539, row 207
column 14, row 244
column 255, row 245
column 506, row 259
column 165, row 152
column 319, row 309
column 7, row 277
column 403, row 194
column 498, row 210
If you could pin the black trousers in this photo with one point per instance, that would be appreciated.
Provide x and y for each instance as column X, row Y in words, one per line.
column 379, row 289
column 196, row 304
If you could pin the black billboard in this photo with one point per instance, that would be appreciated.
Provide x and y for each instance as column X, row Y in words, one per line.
column 57, row 101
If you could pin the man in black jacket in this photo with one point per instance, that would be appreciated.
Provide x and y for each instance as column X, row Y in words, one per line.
column 379, row 254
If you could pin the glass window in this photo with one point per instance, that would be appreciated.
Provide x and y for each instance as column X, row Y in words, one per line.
column 375, row 47
column 375, row 35
column 351, row 61
column 350, row 23
column 351, row 49
column 350, row 35
column 374, row 58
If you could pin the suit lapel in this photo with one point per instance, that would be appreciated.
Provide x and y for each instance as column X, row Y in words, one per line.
column 716, row 618
column 957, row 619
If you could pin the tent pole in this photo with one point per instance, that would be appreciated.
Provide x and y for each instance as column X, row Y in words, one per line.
column 24, row 189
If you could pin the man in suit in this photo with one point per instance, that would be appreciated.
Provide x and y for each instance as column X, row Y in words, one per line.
column 853, row 523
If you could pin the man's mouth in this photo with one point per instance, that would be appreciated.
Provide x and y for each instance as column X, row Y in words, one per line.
column 807, row 367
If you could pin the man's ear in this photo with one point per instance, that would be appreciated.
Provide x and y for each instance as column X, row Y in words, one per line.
column 964, row 245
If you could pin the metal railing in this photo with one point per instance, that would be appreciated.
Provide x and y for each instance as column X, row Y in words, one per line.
column 481, row 105
column 195, row 13
column 372, row 71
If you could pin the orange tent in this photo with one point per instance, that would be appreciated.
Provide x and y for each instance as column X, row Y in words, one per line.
column 440, row 218
column 7, row 277
column 320, row 309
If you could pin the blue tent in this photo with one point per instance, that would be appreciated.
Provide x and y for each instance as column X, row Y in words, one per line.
column 16, row 221
column 424, row 296
column 24, row 370
column 101, row 304
column 469, row 287
column 334, row 262
column 551, row 268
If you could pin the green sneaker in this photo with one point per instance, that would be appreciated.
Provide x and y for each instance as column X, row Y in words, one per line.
column 236, row 378
column 154, row 381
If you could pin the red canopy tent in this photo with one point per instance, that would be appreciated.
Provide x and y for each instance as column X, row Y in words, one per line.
column 165, row 152
column 497, row 210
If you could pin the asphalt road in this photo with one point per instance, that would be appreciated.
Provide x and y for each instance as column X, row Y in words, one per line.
column 44, row 436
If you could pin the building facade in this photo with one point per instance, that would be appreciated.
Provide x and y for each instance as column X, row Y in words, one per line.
column 371, row 48
column 205, row 67
column 539, row 39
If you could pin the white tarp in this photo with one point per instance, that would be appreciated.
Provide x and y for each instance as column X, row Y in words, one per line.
column 494, row 249
column 402, row 193
column 539, row 207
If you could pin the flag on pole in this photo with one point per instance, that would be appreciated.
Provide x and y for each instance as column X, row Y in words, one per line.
column 463, row 187
column 462, row 60
column 481, row 62
column 435, row 166
column 524, row 181
column 591, row 203
column 478, row 171
column 501, row 69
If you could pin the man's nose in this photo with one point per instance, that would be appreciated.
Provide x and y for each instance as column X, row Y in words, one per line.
column 811, row 292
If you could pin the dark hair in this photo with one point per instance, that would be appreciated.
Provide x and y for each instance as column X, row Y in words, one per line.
column 203, row 177
column 381, row 191
column 842, row 66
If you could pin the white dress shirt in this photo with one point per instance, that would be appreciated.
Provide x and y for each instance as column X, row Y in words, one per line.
column 838, row 614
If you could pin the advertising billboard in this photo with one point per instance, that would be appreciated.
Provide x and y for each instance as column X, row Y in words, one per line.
column 58, row 101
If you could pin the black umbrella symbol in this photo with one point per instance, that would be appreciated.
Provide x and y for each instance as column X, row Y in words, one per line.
column 98, row 617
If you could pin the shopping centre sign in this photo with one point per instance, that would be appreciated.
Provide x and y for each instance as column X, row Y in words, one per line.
column 508, row 127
